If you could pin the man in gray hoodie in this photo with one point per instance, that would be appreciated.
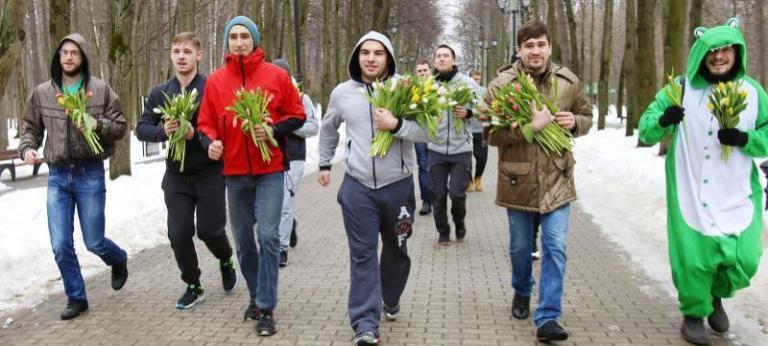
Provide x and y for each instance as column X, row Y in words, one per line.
column 377, row 194
column 450, row 155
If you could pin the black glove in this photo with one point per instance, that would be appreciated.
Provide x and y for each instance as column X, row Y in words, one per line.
column 732, row 137
column 673, row 115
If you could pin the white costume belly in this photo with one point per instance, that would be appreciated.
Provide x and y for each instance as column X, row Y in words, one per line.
column 714, row 195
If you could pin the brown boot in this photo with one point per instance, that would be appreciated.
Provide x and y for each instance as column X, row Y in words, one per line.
column 478, row 184
column 471, row 186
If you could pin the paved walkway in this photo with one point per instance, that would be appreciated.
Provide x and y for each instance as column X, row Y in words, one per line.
column 457, row 295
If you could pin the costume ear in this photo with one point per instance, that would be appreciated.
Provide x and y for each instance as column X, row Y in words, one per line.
column 698, row 32
column 733, row 22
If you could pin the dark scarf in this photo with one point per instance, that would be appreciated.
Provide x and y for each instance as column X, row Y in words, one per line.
column 446, row 76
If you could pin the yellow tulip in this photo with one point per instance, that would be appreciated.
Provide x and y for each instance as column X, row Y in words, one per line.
column 711, row 106
column 724, row 102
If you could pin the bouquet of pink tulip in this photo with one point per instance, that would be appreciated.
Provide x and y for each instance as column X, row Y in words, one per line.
column 251, row 108
column 179, row 108
column 410, row 98
column 74, row 107
column 512, row 104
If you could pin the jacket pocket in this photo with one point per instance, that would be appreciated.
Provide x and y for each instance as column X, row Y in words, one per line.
column 565, row 165
column 515, row 172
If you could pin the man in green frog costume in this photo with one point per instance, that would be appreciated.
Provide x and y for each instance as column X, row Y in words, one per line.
column 714, row 214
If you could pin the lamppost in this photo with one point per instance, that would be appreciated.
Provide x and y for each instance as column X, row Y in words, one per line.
column 297, row 41
column 486, row 45
column 512, row 7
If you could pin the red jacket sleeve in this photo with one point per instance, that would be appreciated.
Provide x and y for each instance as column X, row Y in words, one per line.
column 208, row 117
column 292, row 114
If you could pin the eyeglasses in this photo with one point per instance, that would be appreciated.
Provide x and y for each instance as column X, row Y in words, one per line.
column 74, row 53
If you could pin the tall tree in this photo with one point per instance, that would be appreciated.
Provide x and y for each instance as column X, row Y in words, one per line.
column 381, row 9
column 575, row 65
column 327, row 57
column 11, row 39
column 628, row 71
column 604, row 86
column 645, row 86
column 674, row 20
column 552, row 25
column 121, row 60
column 59, row 23
column 185, row 16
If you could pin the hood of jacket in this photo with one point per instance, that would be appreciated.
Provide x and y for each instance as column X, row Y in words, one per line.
column 711, row 39
column 85, row 48
column 355, row 73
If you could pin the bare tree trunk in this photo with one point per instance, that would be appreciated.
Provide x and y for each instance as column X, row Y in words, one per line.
column 121, row 59
column 185, row 15
column 381, row 10
column 628, row 65
column 327, row 44
column 11, row 38
column 645, row 86
column 575, row 65
column 605, row 66
column 59, row 24
column 674, row 20
column 552, row 24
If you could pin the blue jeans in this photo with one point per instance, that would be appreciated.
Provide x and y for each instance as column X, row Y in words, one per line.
column 81, row 187
column 424, row 186
column 252, row 198
column 554, row 232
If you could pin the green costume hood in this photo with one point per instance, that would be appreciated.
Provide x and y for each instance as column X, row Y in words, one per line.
column 711, row 39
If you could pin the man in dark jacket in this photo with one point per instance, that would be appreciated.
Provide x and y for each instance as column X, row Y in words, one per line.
column 199, row 188
column 76, row 178
column 296, row 148
column 254, row 185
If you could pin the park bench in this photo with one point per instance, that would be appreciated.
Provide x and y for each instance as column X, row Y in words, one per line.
column 12, row 156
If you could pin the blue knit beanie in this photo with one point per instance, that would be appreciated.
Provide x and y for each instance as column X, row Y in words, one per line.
column 248, row 24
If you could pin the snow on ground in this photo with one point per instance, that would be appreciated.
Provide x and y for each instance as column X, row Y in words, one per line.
column 623, row 188
column 135, row 220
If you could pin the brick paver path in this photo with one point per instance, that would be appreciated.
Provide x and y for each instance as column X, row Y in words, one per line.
column 456, row 295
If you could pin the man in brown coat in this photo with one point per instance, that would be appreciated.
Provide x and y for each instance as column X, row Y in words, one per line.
column 533, row 183
column 76, row 178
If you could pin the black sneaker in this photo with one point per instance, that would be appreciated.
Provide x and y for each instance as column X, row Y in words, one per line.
column 119, row 275
column 366, row 338
column 194, row 295
column 551, row 331
column 294, row 237
column 426, row 208
column 252, row 312
column 390, row 313
column 283, row 258
column 74, row 308
column 693, row 330
column 461, row 232
column 228, row 274
column 718, row 320
column 265, row 325
column 521, row 307
column 444, row 239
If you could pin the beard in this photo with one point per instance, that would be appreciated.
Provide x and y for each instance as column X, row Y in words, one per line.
column 73, row 73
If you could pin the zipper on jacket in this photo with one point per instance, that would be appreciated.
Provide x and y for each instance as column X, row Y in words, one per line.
column 247, row 150
column 373, row 134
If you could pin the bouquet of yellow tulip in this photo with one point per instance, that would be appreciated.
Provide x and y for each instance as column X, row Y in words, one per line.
column 674, row 91
column 726, row 101
column 179, row 108
column 74, row 107
column 250, row 107
column 410, row 98
column 512, row 104
column 461, row 95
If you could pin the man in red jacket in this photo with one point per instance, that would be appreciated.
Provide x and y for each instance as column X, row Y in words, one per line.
column 254, row 186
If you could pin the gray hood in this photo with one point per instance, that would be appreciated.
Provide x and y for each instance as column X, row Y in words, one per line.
column 354, row 64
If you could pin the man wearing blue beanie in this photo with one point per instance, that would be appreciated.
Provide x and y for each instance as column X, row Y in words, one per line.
column 254, row 185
